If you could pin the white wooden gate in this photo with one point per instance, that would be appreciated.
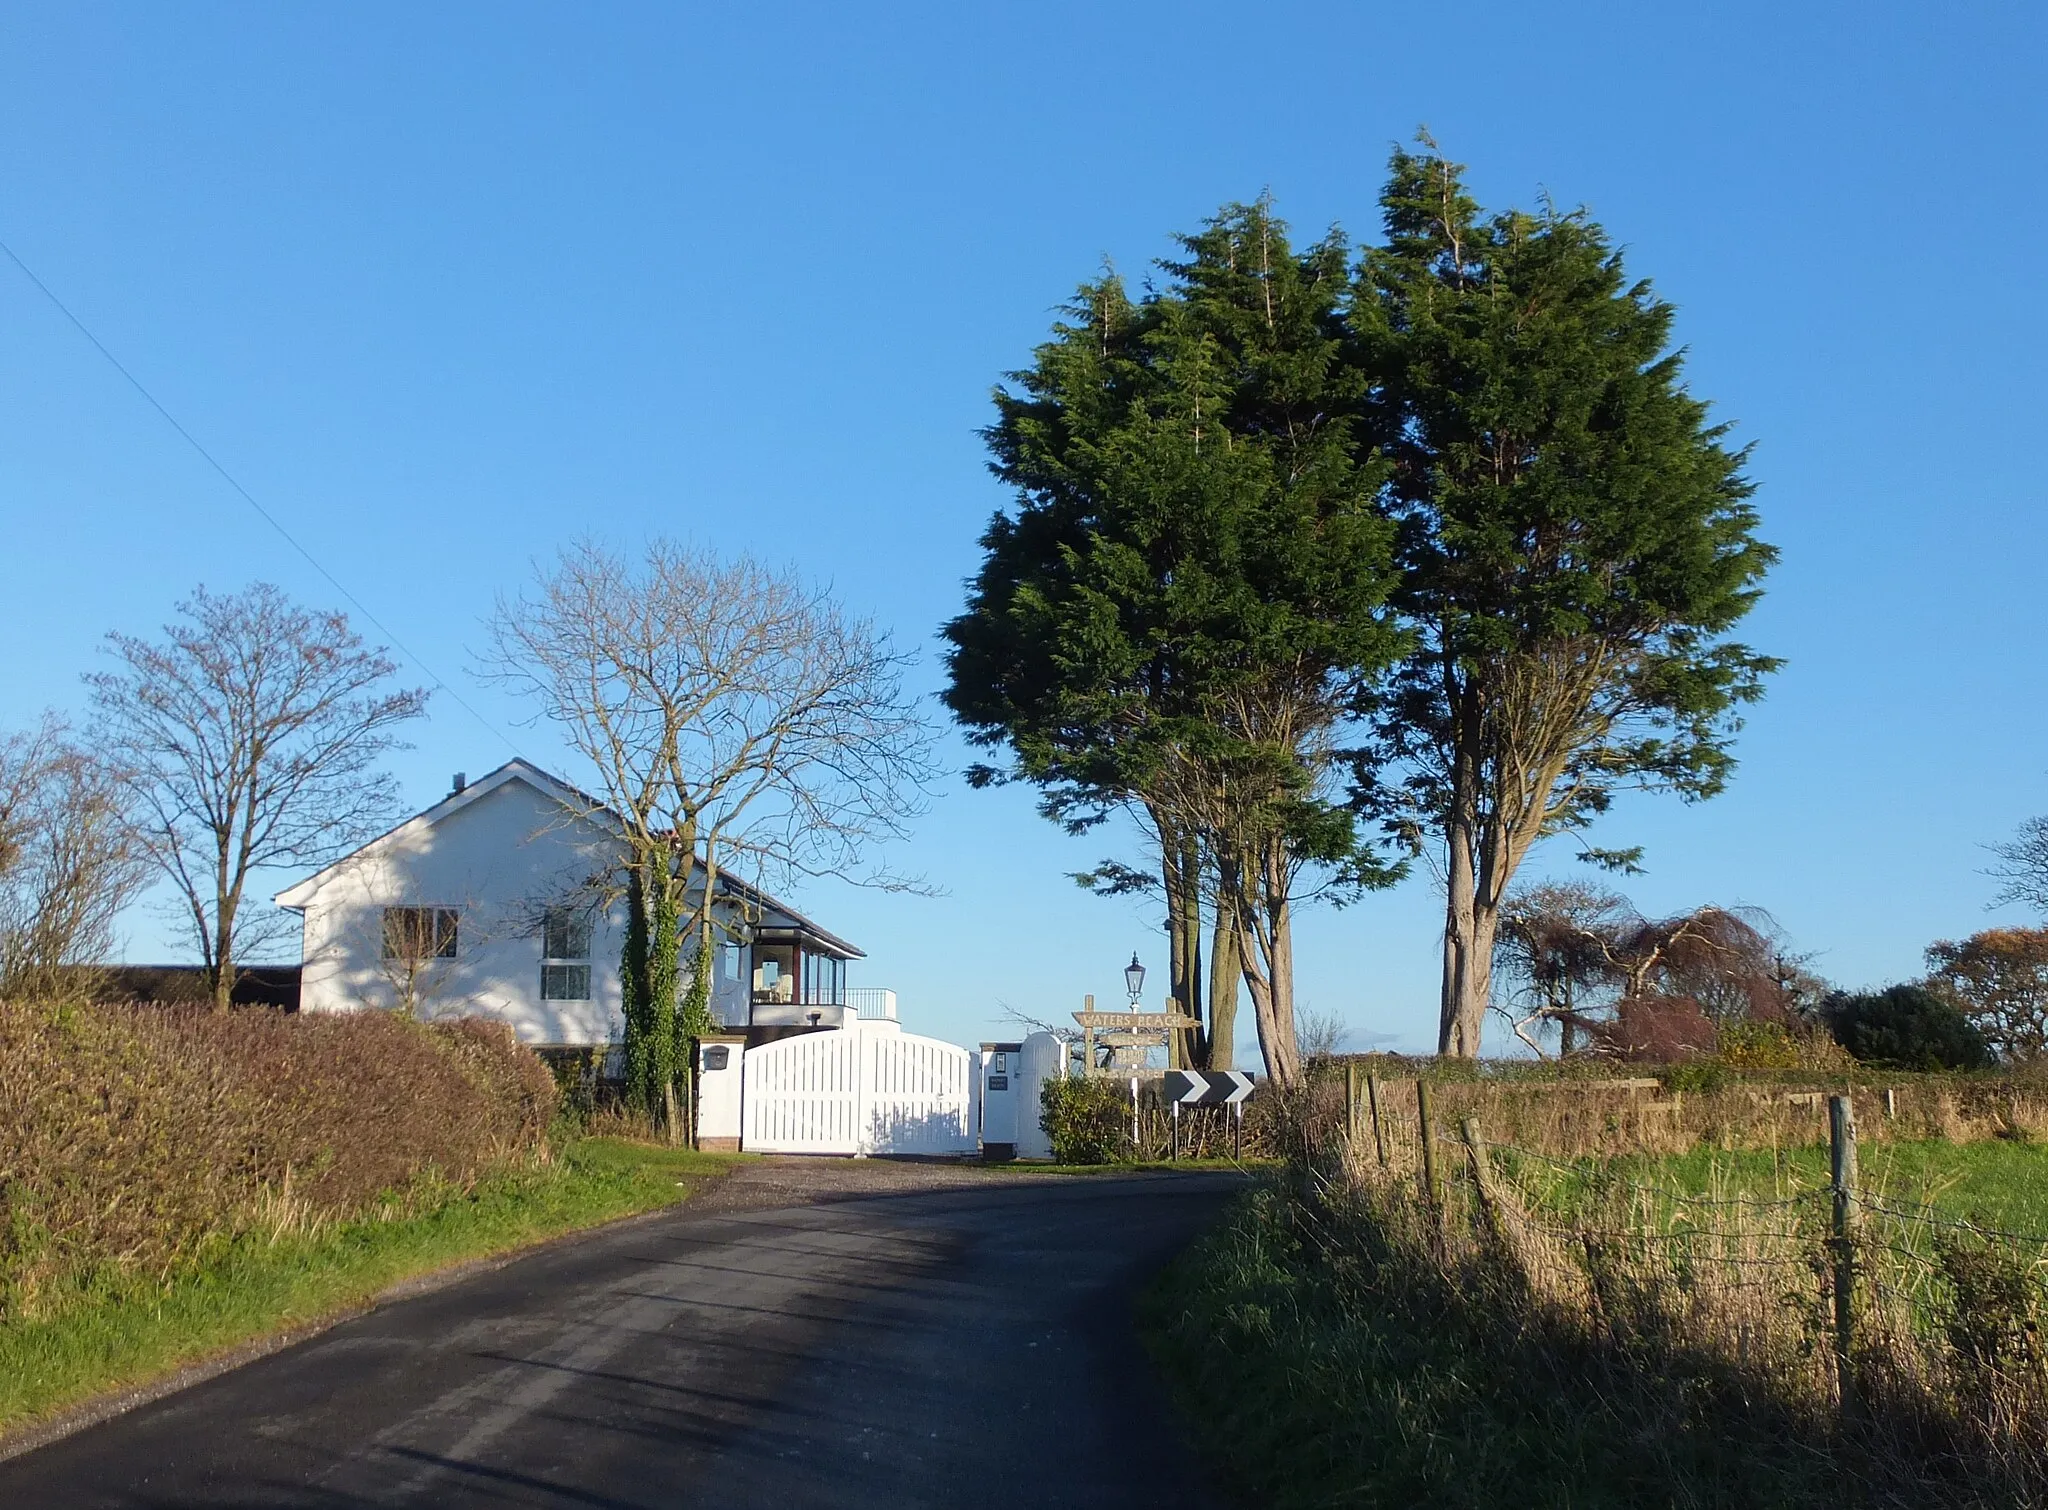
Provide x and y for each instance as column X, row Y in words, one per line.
column 802, row 1095
column 858, row 1091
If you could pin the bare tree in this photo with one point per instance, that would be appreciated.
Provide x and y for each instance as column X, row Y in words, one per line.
column 2023, row 866
column 1322, row 1036
column 733, row 716
column 248, row 738
column 68, row 862
column 1723, row 958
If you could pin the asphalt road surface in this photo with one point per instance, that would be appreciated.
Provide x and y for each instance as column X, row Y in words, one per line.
column 795, row 1338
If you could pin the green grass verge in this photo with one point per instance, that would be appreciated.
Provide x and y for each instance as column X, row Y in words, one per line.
column 117, row 1336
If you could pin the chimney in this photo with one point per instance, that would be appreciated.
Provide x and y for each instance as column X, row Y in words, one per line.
column 461, row 781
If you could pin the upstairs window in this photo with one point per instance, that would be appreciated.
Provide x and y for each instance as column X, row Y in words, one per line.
column 419, row 933
column 565, row 955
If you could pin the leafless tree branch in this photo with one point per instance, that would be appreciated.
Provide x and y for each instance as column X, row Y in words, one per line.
column 247, row 739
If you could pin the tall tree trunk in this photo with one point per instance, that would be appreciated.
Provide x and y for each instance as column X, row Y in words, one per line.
column 1225, row 971
column 1266, row 935
column 1468, row 944
column 1180, row 862
column 1477, row 983
column 1461, row 943
column 633, row 999
column 1191, row 934
column 694, row 1021
column 223, row 951
column 663, row 972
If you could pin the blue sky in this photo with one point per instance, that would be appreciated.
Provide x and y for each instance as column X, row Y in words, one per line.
column 447, row 286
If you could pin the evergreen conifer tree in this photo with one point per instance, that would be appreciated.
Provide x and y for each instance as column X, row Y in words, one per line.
column 1575, row 543
column 1190, row 588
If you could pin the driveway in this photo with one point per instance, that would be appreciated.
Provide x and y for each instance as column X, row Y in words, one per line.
column 810, row 1332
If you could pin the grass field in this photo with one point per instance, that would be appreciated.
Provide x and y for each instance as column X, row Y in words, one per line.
column 1992, row 1184
column 125, row 1335
column 1351, row 1346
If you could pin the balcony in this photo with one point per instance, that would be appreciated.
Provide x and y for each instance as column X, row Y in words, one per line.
column 874, row 1002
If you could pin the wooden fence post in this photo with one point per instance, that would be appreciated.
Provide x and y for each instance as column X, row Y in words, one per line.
column 1842, row 1150
column 1423, row 1111
column 1372, row 1102
column 1351, row 1101
column 1482, row 1174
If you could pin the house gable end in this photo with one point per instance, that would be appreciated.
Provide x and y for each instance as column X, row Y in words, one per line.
column 416, row 833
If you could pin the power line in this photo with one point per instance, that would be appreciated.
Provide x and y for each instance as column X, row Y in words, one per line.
column 250, row 499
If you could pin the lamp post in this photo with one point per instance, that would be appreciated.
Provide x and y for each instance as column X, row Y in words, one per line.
column 1134, row 980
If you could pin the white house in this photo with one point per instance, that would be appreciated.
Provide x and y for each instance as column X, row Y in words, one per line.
column 503, row 900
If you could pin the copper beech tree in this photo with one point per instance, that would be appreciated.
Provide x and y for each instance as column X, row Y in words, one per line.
column 1582, row 958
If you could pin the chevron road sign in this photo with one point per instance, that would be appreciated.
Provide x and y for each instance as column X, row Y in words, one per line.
column 1207, row 1087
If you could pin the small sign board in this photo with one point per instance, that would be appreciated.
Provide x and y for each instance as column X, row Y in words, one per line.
column 1208, row 1087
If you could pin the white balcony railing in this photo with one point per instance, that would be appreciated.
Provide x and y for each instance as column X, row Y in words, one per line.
column 872, row 1001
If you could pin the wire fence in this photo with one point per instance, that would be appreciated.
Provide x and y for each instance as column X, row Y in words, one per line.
column 1869, row 1271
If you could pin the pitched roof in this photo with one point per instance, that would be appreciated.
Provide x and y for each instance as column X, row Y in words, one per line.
column 295, row 897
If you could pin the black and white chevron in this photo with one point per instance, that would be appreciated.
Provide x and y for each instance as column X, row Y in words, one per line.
column 1208, row 1087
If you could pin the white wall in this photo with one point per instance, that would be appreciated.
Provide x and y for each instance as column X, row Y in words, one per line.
column 500, row 860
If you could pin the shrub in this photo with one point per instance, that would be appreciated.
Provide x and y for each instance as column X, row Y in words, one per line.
column 1088, row 1120
column 577, row 1074
column 1905, row 1028
column 1699, row 1077
column 132, row 1137
column 1757, row 1046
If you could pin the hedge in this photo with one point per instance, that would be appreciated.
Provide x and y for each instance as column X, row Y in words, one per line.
column 133, row 1137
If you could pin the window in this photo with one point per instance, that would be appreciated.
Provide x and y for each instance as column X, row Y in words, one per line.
column 728, row 961
column 824, row 981
column 774, row 972
column 419, row 933
column 567, row 933
column 565, row 955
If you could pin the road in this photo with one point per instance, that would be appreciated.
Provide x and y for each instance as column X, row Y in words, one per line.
column 795, row 1338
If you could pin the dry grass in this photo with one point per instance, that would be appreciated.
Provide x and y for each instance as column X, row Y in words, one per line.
column 1579, row 1332
column 1601, row 1116
column 132, row 1138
